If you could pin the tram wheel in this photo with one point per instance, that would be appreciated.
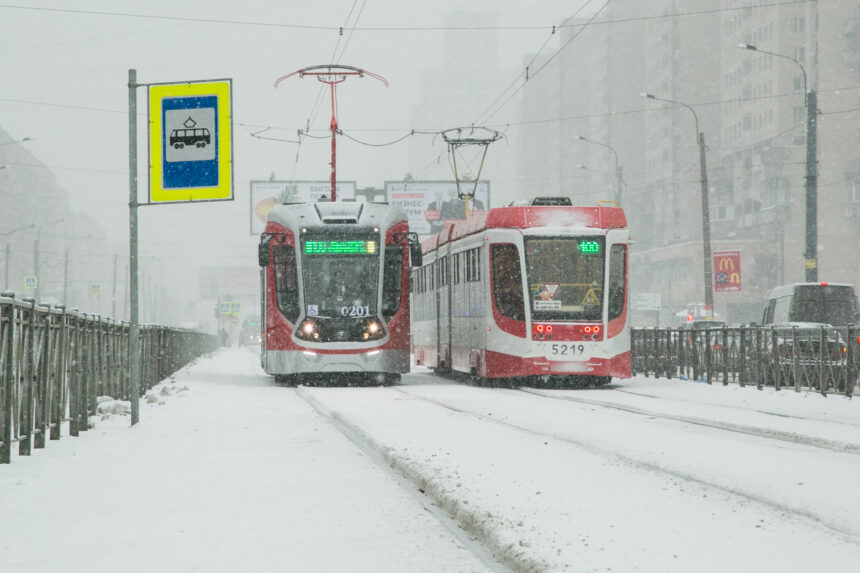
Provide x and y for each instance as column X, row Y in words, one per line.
column 286, row 380
column 476, row 380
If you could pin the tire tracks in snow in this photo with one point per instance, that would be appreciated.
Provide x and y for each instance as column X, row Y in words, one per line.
column 468, row 526
column 790, row 437
column 798, row 512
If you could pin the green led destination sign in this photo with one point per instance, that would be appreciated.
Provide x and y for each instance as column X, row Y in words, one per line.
column 340, row 247
column 589, row 247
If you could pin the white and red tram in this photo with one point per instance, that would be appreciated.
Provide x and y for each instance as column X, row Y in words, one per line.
column 526, row 291
column 335, row 290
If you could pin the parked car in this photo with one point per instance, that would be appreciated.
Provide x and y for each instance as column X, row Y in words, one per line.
column 798, row 345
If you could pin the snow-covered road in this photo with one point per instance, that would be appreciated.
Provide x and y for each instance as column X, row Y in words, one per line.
column 228, row 472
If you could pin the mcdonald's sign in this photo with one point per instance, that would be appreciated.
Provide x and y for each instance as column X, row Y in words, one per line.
column 727, row 271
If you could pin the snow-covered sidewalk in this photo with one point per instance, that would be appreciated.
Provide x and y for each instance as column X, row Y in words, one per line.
column 225, row 472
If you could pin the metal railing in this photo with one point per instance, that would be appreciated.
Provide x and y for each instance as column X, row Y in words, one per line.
column 54, row 363
column 823, row 359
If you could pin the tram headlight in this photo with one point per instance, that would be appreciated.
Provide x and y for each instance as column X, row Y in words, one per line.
column 373, row 330
column 308, row 330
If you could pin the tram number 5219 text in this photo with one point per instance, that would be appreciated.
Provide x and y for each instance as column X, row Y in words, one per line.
column 355, row 311
column 568, row 349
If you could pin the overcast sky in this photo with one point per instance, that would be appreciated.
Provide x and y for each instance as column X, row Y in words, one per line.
column 64, row 68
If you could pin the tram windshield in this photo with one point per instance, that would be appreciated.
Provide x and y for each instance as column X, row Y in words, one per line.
column 565, row 277
column 341, row 276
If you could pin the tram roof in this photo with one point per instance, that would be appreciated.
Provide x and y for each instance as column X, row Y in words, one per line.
column 528, row 217
column 293, row 215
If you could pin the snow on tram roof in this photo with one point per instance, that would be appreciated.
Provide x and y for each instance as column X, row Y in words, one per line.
column 529, row 217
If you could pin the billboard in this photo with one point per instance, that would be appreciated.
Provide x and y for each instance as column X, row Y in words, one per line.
column 430, row 204
column 267, row 194
column 190, row 141
column 727, row 271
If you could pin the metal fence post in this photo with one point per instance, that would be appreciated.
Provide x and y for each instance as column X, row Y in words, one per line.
column 25, row 432
column 8, row 381
column 43, row 381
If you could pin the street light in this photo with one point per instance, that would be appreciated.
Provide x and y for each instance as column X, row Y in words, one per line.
column 36, row 254
column 811, row 167
column 617, row 168
column 8, row 249
column 706, row 215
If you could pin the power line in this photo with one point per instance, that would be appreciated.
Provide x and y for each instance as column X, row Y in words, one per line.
column 389, row 28
column 552, row 57
column 535, row 57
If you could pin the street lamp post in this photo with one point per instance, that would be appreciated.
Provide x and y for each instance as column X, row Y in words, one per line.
column 706, row 213
column 586, row 168
column 811, row 100
column 618, row 171
column 9, row 251
column 36, row 255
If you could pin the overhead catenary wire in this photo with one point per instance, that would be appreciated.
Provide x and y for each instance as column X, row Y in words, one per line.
column 522, row 85
column 338, row 29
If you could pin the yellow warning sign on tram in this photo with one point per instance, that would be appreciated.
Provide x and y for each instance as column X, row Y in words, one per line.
column 590, row 298
column 190, row 141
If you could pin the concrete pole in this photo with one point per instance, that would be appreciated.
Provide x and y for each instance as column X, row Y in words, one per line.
column 134, row 331
column 36, row 264
column 811, row 186
column 706, row 231
column 66, row 279
column 113, row 295
column 6, row 275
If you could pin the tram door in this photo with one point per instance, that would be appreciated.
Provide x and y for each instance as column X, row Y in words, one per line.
column 443, row 312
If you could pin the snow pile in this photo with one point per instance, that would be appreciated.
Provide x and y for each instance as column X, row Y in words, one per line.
column 107, row 407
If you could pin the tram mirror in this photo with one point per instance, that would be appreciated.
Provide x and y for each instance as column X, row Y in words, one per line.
column 263, row 254
column 415, row 254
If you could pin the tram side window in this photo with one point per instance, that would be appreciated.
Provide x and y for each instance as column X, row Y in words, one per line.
column 286, row 283
column 392, row 277
column 617, row 266
column 508, row 281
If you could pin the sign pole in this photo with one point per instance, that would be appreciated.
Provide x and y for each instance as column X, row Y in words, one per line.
column 133, row 331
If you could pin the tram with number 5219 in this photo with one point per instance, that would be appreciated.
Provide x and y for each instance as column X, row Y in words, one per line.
column 335, row 291
column 535, row 291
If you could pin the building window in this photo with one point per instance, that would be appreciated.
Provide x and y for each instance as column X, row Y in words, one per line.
column 855, row 191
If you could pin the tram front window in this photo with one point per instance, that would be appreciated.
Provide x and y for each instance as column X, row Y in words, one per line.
column 340, row 278
column 565, row 277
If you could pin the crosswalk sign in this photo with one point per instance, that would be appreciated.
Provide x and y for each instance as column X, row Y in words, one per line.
column 224, row 308
column 31, row 282
column 95, row 288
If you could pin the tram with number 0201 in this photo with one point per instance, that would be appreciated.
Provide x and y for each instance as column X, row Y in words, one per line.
column 335, row 291
column 534, row 291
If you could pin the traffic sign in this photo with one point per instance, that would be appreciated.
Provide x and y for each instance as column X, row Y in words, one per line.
column 646, row 301
column 96, row 288
column 31, row 282
column 190, row 142
column 224, row 308
column 235, row 307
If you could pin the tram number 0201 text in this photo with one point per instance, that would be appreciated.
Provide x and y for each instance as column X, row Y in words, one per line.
column 568, row 349
column 355, row 310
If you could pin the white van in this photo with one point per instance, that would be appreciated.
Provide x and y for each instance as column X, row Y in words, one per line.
column 822, row 303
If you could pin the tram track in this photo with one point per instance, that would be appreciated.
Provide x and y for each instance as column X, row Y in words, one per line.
column 849, row 536
column 471, row 531
column 768, row 433
column 766, row 412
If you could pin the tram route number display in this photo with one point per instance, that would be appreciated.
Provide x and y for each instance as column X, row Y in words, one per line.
column 355, row 311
